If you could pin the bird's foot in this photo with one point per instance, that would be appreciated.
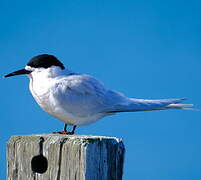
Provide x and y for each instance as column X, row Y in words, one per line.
column 64, row 133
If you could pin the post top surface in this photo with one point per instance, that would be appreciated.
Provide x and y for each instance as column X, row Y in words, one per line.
column 58, row 137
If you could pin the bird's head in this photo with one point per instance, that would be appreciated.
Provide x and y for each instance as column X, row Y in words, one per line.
column 39, row 64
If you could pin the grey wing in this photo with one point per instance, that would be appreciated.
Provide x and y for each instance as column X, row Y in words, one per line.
column 83, row 95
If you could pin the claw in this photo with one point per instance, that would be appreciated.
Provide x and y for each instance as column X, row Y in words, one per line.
column 63, row 132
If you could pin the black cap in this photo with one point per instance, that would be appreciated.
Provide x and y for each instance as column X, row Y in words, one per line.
column 44, row 61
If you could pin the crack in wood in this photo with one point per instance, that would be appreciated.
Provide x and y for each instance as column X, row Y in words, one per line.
column 60, row 158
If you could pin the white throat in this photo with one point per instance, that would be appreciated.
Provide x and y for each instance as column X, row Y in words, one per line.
column 42, row 79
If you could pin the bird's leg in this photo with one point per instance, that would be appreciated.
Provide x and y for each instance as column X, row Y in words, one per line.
column 65, row 130
column 65, row 127
column 73, row 131
column 62, row 132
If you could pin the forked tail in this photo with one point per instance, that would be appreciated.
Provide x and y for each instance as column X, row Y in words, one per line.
column 135, row 105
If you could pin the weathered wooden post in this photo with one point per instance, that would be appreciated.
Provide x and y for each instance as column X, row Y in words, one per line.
column 64, row 157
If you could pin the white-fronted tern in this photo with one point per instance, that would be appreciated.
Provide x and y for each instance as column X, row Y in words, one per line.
column 80, row 99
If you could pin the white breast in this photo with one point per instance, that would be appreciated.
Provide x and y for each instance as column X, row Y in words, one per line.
column 40, row 89
column 43, row 86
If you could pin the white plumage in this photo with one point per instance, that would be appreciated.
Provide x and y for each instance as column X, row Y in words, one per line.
column 79, row 99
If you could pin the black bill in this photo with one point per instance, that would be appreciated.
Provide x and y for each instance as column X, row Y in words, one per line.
column 19, row 72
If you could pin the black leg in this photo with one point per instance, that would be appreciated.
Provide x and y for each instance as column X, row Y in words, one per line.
column 73, row 131
column 65, row 128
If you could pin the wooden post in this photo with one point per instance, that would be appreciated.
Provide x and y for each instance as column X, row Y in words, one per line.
column 64, row 157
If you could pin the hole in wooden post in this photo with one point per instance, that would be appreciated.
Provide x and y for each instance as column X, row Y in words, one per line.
column 39, row 164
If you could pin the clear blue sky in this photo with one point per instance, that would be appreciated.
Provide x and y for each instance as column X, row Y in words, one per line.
column 145, row 49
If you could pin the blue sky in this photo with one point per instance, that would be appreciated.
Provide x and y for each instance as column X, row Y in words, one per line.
column 145, row 49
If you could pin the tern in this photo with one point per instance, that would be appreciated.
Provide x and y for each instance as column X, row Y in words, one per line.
column 80, row 99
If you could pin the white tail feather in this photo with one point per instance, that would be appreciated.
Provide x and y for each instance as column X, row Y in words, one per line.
column 182, row 106
column 179, row 106
column 192, row 109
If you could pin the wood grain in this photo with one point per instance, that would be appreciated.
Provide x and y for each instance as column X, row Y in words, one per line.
column 68, row 157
